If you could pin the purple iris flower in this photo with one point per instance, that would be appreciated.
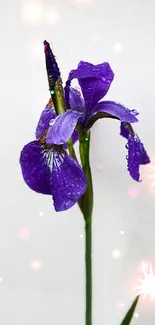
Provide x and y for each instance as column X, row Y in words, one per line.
column 46, row 166
column 95, row 81
column 48, row 169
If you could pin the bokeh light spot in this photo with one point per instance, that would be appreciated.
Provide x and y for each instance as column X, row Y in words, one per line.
column 52, row 15
column 95, row 38
column 118, row 48
column 119, row 305
column 36, row 265
column 133, row 192
column 83, row 2
column 116, row 254
column 31, row 11
column 147, row 283
column 24, row 233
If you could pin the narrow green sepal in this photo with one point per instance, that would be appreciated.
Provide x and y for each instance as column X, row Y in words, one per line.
column 128, row 317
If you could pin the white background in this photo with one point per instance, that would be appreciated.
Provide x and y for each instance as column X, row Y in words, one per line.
column 51, row 291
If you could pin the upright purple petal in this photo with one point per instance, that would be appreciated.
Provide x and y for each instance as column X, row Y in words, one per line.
column 115, row 109
column 69, row 181
column 62, row 127
column 43, row 124
column 94, row 81
column 75, row 136
column 74, row 139
column 137, row 156
column 75, row 99
column 35, row 170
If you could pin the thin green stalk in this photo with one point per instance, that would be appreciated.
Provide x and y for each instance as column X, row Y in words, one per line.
column 88, row 265
column 71, row 149
column 86, row 206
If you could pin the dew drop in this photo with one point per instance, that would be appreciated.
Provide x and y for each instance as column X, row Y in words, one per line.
column 51, row 122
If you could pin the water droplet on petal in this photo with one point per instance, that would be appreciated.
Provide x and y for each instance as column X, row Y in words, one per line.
column 51, row 122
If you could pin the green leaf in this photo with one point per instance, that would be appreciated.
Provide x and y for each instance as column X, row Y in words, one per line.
column 128, row 317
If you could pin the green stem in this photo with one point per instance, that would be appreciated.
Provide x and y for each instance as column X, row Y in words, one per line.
column 86, row 206
column 88, row 263
column 71, row 149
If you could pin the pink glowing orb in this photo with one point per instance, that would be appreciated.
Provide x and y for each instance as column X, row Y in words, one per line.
column 133, row 192
column 152, row 175
column 52, row 15
column 119, row 305
column 36, row 50
column 95, row 38
column 36, row 265
column 24, row 233
column 83, row 2
column 31, row 11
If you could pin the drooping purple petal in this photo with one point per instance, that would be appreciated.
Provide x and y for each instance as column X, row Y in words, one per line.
column 49, row 170
column 35, row 170
column 62, row 127
column 137, row 156
column 69, row 181
column 124, row 130
column 115, row 109
column 94, row 81
column 46, row 115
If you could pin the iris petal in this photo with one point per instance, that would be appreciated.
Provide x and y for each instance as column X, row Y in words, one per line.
column 115, row 109
column 35, row 170
column 69, row 181
column 94, row 81
column 49, row 170
column 43, row 124
column 74, row 136
column 137, row 156
column 75, row 99
column 62, row 127
column 124, row 130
